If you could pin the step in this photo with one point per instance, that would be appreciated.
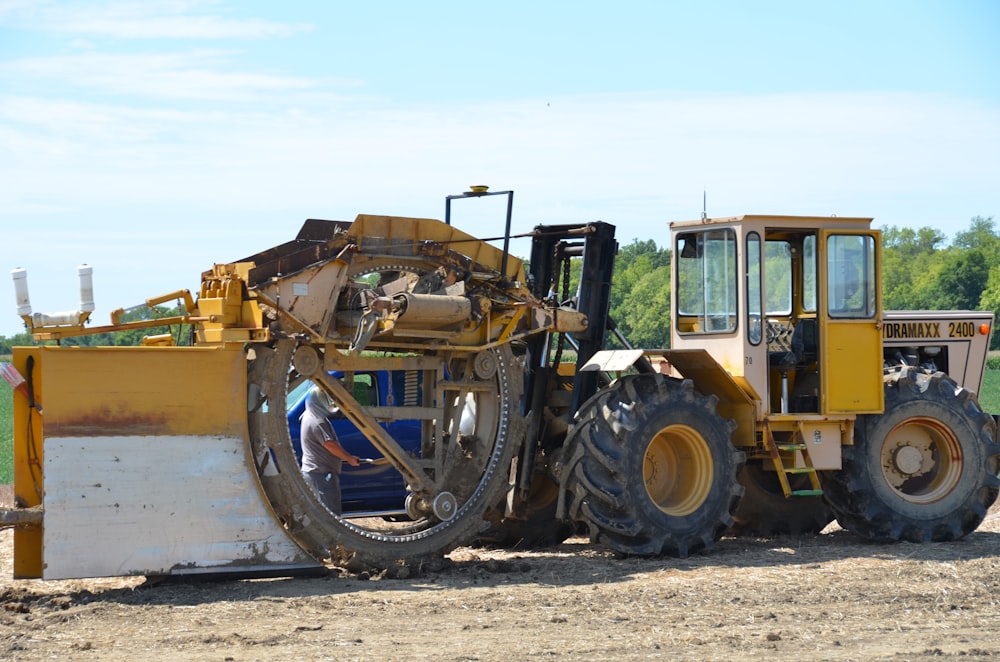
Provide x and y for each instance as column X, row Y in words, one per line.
column 791, row 447
column 799, row 470
column 807, row 492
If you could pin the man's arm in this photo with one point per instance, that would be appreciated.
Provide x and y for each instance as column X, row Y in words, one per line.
column 335, row 449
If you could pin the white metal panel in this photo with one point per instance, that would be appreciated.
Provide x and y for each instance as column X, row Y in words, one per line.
column 612, row 360
column 154, row 505
column 825, row 441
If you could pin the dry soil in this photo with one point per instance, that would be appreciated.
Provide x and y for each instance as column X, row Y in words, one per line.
column 831, row 596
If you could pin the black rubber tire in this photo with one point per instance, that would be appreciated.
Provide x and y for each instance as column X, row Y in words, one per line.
column 652, row 469
column 765, row 511
column 935, row 430
column 539, row 528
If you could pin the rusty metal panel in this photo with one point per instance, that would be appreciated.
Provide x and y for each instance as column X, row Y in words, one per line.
column 102, row 391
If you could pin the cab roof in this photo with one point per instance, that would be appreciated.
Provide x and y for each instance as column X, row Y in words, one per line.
column 780, row 221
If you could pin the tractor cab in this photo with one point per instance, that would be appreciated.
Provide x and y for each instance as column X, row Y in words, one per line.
column 788, row 306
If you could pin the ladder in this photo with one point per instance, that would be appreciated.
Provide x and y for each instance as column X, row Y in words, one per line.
column 789, row 448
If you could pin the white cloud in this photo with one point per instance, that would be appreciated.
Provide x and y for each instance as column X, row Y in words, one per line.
column 651, row 152
column 10, row 8
column 156, row 19
column 195, row 75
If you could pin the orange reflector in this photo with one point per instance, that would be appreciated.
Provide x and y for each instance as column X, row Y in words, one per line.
column 984, row 329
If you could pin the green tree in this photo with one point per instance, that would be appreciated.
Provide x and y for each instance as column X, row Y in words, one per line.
column 644, row 313
column 983, row 239
column 981, row 235
column 640, row 294
column 20, row 340
column 990, row 300
column 910, row 263
column 961, row 281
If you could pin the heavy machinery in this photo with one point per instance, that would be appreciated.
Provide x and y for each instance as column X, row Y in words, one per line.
column 171, row 459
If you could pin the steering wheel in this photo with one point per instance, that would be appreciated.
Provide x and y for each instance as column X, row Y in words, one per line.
column 775, row 331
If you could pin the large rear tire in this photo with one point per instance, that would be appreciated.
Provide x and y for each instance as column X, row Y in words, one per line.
column 925, row 470
column 652, row 467
column 764, row 509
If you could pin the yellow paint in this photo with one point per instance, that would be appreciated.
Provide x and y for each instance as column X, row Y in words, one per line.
column 850, row 348
column 423, row 233
column 852, row 367
column 28, row 481
column 713, row 379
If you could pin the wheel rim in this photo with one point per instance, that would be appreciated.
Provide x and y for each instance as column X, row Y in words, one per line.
column 922, row 460
column 678, row 470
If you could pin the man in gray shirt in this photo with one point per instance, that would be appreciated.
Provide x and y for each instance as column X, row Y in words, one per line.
column 322, row 454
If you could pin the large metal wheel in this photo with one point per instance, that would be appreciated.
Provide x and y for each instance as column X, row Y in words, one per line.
column 925, row 470
column 652, row 469
column 764, row 509
column 466, row 450
column 471, row 467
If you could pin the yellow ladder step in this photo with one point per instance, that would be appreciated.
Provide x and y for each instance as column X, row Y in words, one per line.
column 799, row 470
column 775, row 449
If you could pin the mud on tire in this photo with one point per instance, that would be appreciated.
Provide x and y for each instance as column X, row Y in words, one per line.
column 651, row 467
column 925, row 470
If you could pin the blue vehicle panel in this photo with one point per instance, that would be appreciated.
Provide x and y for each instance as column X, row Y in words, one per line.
column 369, row 487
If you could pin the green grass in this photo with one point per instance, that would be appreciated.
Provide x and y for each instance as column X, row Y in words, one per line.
column 989, row 399
column 6, row 434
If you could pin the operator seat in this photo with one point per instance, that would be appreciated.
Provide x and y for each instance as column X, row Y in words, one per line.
column 804, row 351
column 804, row 345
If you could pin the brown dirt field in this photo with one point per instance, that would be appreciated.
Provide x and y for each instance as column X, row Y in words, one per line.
column 830, row 596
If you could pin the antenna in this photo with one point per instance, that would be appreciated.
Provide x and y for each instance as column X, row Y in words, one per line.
column 704, row 204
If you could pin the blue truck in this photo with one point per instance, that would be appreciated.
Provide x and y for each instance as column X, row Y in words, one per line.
column 374, row 488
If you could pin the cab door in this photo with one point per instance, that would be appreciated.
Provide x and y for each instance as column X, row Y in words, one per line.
column 850, row 314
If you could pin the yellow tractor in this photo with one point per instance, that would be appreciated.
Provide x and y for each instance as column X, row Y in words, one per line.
column 777, row 361
column 775, row 403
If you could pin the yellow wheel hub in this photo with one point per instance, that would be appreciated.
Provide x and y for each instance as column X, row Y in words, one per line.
column 678, row 470
column 922, row 459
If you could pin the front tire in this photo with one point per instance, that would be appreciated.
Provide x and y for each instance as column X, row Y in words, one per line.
column 652, row 467
column 924, row 470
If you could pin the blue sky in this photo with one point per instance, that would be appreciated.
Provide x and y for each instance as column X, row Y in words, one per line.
column 152, row 139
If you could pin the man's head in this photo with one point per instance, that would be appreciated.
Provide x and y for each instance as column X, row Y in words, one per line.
column 318, row 402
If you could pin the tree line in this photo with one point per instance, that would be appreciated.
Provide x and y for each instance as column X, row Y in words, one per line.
column 921, row 270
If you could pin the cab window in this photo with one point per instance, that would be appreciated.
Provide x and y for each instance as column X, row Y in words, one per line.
column 755, row 297
column 706, row 281
column 851, row 276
